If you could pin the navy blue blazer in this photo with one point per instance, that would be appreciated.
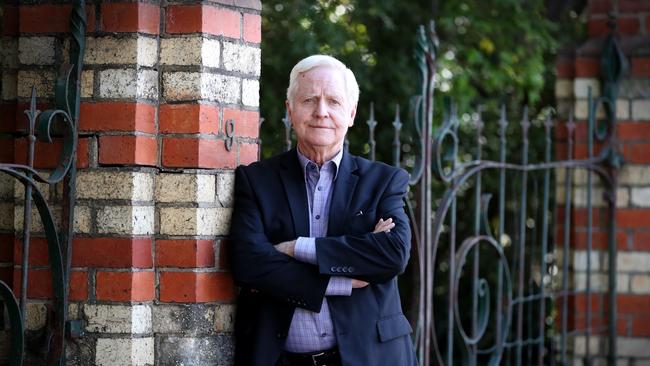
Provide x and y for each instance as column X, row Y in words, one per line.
column 271, row 207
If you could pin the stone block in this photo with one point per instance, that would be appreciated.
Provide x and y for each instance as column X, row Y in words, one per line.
column 111, row 51
column 580, row 345
column 622, row 283
column 632, row 261
column 581, row 87
column 102, row 184
column 194, row 221
column 250, row 93
column 36, row 50
column 6, row 187
column 641, row 110
column 82, row 219
column 598, row 282
column 241, row 58
column 121, row 351
column 634, row 175
column 632, row 347
column 193, row 319
column 7, row 216
column 225, row 188
column 37, row 225
column 36, row 315
column 19, row 190
column 87, row 86
column 147, row 87
column 42, row 80
column 123, row 319
column 220, row 88
column 195, row 188
column 9, row 86
column 147, row 51
column 190, row 51
column 214, row 350
column 181, row 86
column 640, row 283
column 581, row 110
column 130, row 220
column 634, row 88
column 641, row 196
column 8, row 53
column 564, row 88
column 580, row 260
column 622, row 109
column 579, row 197
column 118, row 83
column 224, row 318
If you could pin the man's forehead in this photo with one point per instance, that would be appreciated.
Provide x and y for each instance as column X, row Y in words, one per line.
column 321, row 76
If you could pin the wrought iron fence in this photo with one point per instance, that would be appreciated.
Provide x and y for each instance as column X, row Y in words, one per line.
column 62, row 120
column 489, row 288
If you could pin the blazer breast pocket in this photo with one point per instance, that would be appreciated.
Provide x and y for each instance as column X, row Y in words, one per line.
column 361, row 221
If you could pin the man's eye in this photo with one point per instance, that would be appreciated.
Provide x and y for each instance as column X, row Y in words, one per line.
column 335, row 102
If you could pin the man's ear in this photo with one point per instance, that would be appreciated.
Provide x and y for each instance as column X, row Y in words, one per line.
column 353, row 114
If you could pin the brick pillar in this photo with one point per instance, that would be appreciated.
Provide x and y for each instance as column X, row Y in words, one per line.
column 169, row 108
column 576, row 72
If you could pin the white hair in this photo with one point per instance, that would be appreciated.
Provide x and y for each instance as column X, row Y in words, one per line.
column 313, row 61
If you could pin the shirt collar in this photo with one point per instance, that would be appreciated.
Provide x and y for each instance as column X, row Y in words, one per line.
column 336, row 160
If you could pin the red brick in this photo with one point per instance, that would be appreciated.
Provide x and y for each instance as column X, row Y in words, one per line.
column 50, row 18
column 637, row 153
column 21, row 121
column 7, row 117
column 579, row 303
column 6, row 248
column 112, row 252
column 633, row 6
column 587, row 67
column 633, row 217
column 78, row 286
column 196, row 287
column 632, row 131
column 625, row 26
column 641, row 326
column 7, row 275
column 247, row 123
column 633, row 304
column 46, row 155
column 38, row 253
column 599, row 240
column 130, row 17
column 252, row 28
column 205, row 19
column 184, row 253
column 7, row 149
column 189, row 118
column 642, row 240
column 641, row 66
column 565, row 68
column 197, row 153
column 129, row 150
column 248, row 153
column 600, row 217
column 10, row 20
column 224, row 262
column 600, row 6
column 39, row 283
column 124, row 286
column 117, row 117
column 647, row 24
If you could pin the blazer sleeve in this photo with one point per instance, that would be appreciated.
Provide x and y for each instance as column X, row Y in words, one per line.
column 372, row 257
column 255, row 263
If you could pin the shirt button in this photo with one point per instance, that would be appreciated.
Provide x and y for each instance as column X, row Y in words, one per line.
column 320, row 188
column 324, row 335
column 317, row 217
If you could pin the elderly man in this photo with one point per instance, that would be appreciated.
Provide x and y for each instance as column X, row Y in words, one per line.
column 318, row 238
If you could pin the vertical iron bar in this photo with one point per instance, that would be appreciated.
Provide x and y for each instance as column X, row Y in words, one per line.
column 545, row 215
column 287, row 130
column 477, row 228
column 522, row 235
column 452, row 255
column 590, row 219
column 503, row 125
column 372, row 123
column 611, row 231
column 565, row 245
column 397, row 145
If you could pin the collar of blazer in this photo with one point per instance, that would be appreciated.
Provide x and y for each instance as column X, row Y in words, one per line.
column 342, row 192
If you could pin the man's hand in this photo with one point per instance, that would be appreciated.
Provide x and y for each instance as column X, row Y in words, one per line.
column 287, row 247
column 384, row 225
column 359, row 283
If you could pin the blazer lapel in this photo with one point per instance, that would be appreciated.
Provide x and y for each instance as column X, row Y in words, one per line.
column 294, row 186
column 344, row 185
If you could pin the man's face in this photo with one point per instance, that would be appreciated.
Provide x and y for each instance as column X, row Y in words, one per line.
column 321, row 112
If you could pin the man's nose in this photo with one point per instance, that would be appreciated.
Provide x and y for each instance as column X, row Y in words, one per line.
column 321, row 109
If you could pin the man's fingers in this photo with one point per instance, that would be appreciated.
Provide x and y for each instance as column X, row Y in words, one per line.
column 358, row 283
column 384, row 225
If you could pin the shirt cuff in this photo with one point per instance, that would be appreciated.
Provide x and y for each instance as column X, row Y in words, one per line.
column 339, row 286
column 305, row 250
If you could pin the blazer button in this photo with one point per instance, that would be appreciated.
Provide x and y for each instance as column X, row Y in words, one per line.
column 350, row 269
column 344, row 269
column 339, row 269
column 333, row 269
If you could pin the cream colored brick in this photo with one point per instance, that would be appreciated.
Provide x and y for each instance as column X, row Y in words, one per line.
column 224, row 318
column 9, row 86
column 622, row 109
column 36, row 315
column 622, row 283
column 147, row 87
column 8, row 53
column 110, row 51
column 641, row 196
column 564, row 88
column 581, row 110
column 121, row 352
column 220, row 88
column 42, row 80
column 241, row 58
column 185, row 188
column 181, row 85
column 133, row 220
column 210, row 52
column 250, row 93
column 118, row 83
column 82, row 220
column 641, row 110
column 599, row 281
column 579, row 197
column 6, row 216
column 37, row 225
column 580, row 260
column 135, row 319
column 19, row 190
column 640, row 283
column 632, row 347
column 87, row 80
column 194, row 221
column 580, row 345
column 633, row 261
column 581, row 87
column 147, row 51
column 6, row 187
column 36, row 50
column 190, row 51
column 226, row 188
column 634, row 175
column 134, row 186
